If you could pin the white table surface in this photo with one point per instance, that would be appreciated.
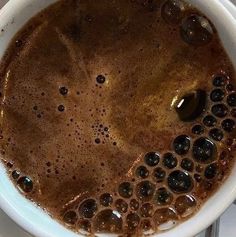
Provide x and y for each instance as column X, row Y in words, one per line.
column 227, row 225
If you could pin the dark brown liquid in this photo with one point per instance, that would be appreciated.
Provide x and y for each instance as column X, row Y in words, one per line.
column 104, row 113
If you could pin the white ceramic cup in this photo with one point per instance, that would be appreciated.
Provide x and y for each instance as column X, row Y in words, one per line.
column 12, row 17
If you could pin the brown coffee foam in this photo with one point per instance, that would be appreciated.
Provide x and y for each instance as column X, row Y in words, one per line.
column 146, row 65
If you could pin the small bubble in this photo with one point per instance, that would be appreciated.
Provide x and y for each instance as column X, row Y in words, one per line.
column 217, row 95
column 35, row 107
column 88, row 208
column 70, row 217
column 211, row 171
column 209, row 121
column 152, row 159
column 164, row 215
column 146, row 210
column 108, row 221
column 134, row 205
column 204, row 150
column 219, row 80
column 180, row 182
column 172, row 11
column 219, row 110
column 145, row 190
column 169, row 161
column 63, row 90
column 25, row 184
column 196, row 30
column 229, row 87
column 198, row 178
column 10, row 163
column 15, row 174
column 228, row 125
column 183, row 204
column 231, row 99
column 85, row 225
column 181, row 144
column 163, row 197
column 61, row 108
column 187, row 164
column 121, row 206
column 142, row 172
column 100, row 79
column 132, row 221
column 198, row 129
column 125, row 190
column 97, row 141
column 106, row 199
column 18, row 43
column 159, row 174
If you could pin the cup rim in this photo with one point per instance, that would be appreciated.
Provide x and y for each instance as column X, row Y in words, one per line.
column 46, row 228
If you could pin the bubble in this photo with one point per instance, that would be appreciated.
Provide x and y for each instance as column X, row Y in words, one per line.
column 209, row 121
column 181, row 144
column 121, row 206
column 229, row 87
column 152, row 158
column 204, row 150
column 108, row 221
column 146, row 210
column 172, row 11
column 70, row 217
column 97, row 141
column 106, row 199
column 100, row 79
column 142, row 172
column 61, row 108
column 63, row 90
column 125, row 190
column 196, row 30
column 132, row 221
column 169, row 160
column 228, row 125
column 217, row 95
column 191, row 105
column 15, row 174
column 18, row 43
column 233, row 113
column 231, row 99
column 197, row 177
column 184, row 205
column 211, row 171
column 84, row 225
column 146, row 225
column 219, row 110
column 159, row 174
column 187, row 164
column 25, row 184
column 180, row 182
column 163, row 197
column 220, row 80
column 88, row 208
column 216, row 134
column 134, row 205
column 198, row 129
column 164, row 215
column 145, row 190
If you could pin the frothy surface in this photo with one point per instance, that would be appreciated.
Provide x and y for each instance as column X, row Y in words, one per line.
column 118, row 116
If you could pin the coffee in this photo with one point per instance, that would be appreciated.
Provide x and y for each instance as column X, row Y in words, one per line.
column 118, row 116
